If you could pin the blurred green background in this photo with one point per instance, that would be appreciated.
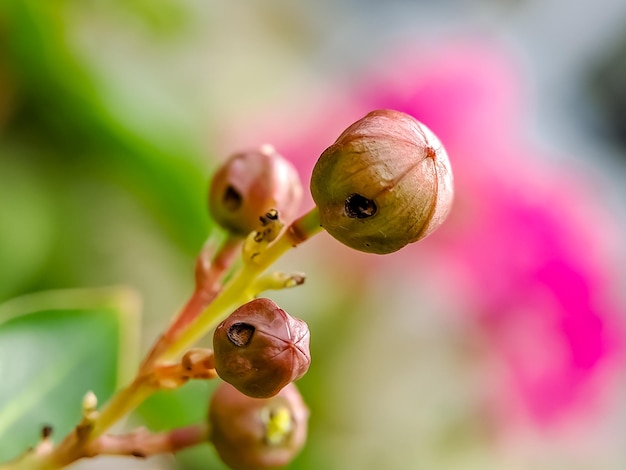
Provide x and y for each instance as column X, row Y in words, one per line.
column 114, row 113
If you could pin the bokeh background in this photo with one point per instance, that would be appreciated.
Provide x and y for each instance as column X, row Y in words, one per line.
column 497, row 343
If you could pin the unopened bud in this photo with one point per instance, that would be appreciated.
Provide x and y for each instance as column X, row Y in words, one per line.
column 90, row 401
column 251, row 183
column 384, row 183
column 254, row 433
column 260, row 348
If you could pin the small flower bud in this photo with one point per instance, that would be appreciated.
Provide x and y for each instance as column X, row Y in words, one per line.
column 260, row 348
column 256, row 434
column 248, row 185
column 384, row 183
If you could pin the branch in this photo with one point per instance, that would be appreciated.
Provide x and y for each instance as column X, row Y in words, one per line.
column 142, row 443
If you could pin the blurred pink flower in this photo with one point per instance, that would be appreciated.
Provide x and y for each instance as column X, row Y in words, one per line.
column 524, row 245
column 530, row 258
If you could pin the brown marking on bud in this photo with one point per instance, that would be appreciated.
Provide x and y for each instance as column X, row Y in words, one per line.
column 83, row 431
column 297, row 234
column 296, row 280
column 46, row 431
column 431, row 153
column 232, row 199
column 269, row 216
column 360, row 207
column 240, row 334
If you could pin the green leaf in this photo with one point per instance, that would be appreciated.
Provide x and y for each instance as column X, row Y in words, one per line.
column 187, row 405
column 140, row 144
column 55, row 347
column 27, row 224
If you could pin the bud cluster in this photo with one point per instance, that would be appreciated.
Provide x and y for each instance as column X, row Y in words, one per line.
column 384, row 183
column 257, row 416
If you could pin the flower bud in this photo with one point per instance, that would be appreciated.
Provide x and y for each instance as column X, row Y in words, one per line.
column 254, row 433
column 251, row 183
column 260, row 348
column 384, row 183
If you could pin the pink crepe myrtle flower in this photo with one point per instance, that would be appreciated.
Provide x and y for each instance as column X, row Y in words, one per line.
column 524, row 244
column 539, row 286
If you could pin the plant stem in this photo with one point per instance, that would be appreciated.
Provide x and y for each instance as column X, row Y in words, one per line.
column 237, row 291
column 208, row 276
column 142, row 443
column 75, row 446
column 122, row 403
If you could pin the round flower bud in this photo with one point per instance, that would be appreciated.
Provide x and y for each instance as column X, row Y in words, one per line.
column 260, row 348
column 257, row 433
column 248, row 185
column 384, row 183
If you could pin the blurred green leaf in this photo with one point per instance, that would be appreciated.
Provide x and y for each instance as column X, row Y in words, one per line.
column 89, row 117
column 55, row 347
column 176, row 408
column 27, row 227
column 163, row 17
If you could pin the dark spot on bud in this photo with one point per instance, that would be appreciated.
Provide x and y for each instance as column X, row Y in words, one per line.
column 360, row 207
column 268, row 217
column 232, row 199
column 139, row 454
column 46, row 431
column 240, row 334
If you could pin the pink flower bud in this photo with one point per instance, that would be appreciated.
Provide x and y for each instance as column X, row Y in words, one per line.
column 255, row 433
column 251, row 183
column 260, row 348
column 384, row 183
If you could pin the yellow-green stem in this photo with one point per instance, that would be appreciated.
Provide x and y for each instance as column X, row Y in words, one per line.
column 237, row 291
column 122, row 403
